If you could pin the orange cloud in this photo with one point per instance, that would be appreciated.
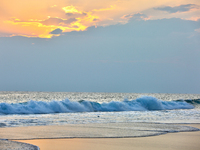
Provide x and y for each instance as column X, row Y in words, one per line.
column 104, row 9
column 48, row 18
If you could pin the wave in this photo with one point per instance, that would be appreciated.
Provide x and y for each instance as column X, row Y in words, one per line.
column 145, row 103
column 192, row 101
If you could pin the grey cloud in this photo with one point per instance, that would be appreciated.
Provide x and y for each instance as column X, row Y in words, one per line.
column 75, row 15
column 57, row 21
column 56, row 31
column 85, row 14
column 181, row 8
column 138, row 16
column 52, row 21
column 70, row 20
column 95, row 19
column 69, row 14
column 128, row 16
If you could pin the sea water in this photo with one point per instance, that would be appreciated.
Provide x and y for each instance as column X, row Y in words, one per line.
column 102, row 110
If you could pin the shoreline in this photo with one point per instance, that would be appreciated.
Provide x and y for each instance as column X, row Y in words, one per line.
column 183, row 140
column 104, row 130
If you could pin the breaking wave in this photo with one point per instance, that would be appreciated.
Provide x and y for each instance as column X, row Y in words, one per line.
column 145, row 103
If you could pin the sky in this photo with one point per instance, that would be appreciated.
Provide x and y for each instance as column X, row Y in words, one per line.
column 146, row 46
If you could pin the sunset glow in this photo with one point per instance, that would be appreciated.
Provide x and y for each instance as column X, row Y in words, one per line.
column 49, row 18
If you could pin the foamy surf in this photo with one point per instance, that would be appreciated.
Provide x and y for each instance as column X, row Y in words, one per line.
column 12, row 145
column 145, row 103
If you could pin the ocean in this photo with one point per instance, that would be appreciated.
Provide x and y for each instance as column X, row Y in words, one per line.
column 155, row 112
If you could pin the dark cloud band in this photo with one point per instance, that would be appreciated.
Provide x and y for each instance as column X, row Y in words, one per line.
column 181, row 8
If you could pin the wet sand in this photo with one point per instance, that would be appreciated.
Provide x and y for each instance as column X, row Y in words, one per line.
column 169, row 141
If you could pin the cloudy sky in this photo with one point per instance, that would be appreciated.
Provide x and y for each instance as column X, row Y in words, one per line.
column 146, row 46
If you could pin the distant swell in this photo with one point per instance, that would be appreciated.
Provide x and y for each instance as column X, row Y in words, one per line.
column 145, row 103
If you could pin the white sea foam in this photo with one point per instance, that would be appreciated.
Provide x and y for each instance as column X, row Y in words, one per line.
column 145, row 103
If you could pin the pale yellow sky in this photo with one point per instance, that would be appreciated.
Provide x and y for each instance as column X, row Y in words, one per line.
column 35, row 18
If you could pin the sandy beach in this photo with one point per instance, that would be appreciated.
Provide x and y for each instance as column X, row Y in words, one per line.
column 169, row 141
